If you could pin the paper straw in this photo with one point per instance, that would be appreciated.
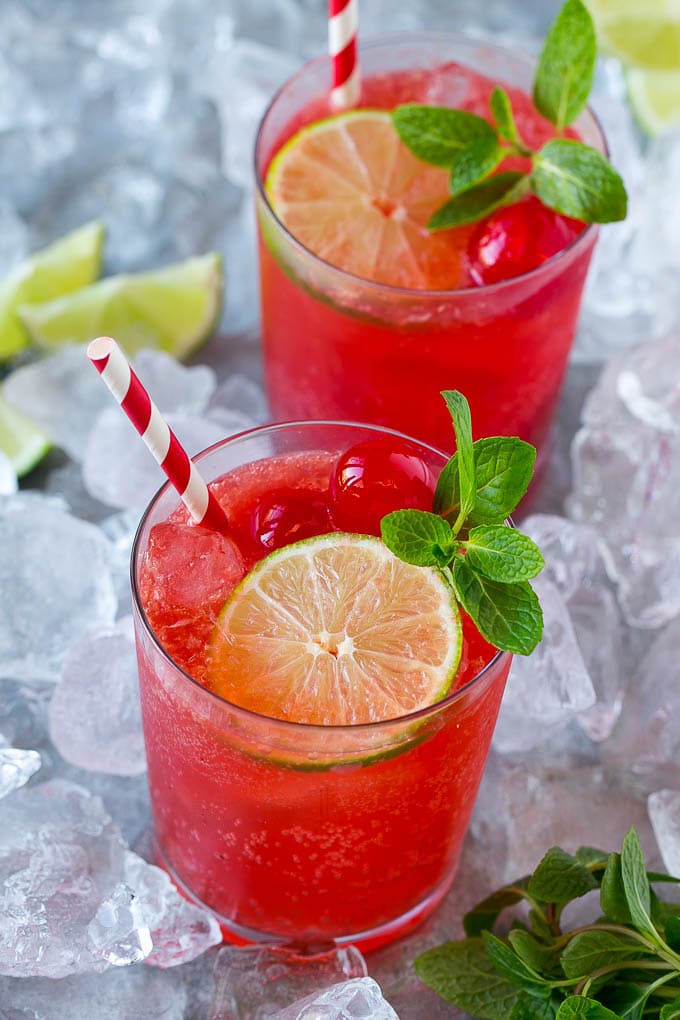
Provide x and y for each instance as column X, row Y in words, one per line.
column 113, row 366
column 343, row 26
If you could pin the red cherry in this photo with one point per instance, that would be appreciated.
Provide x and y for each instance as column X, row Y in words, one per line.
column 518, row 238
column 373, row 479
column 289, row 515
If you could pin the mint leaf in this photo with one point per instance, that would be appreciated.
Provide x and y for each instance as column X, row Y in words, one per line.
column 483, row 915
column 671, row 1011
column 503, row 469
column 436, row 134
column 591, row 950
column 459, row 409
column 560, row 878
column 475, row 161
column 480, row 200
column 507, row 615
column 612, row 893
column 672, row 929
column 502, row 553
column 462, row 974
column 542, row 958
column 591, row 857
column 501, row 109
column 528, row 1007
column 511, row 967
column 578, row 1006
column 565, row 67
column 636, row 883
column 627, row 1000
column 418, row 537
column 578, row 181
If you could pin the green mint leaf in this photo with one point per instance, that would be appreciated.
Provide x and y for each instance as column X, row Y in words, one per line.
column 436, row 134
column 579, row 1006
column 503, row 469
column 560, row 878
column 539, row 925
column 475, row 162
column 628, row 1000
column 672, row 930
column 480, row 200
column 591, row 857
column 612, row 893
column 528, row 1007
column 483, row 915
column 511, row 967
column 501, row 109
column 636, row 883
column 459, row 409
column 418, row 537
column 502, row 553
column 671, row 1011
column 542, row 958
column 564, row 75
column 591, row 950
column 462, row 974
column 509, row 616
column 578, row 181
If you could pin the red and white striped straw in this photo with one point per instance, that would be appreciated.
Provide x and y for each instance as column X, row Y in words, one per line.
column 113, row 366
column 343, row 27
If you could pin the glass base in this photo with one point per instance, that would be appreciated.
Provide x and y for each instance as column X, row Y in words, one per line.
column 364, row 940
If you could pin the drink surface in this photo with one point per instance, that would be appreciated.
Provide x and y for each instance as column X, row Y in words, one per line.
column 337, row 346
column 294, row 833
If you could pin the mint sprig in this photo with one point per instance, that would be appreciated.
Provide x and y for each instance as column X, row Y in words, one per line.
column 487, row 564
column 566, row 175
column 623, row 966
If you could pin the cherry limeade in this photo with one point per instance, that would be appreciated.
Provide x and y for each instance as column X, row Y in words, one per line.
column 338, row 346
column 306, row 833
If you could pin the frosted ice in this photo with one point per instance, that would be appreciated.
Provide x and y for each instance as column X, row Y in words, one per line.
column 238, row 400
column 574, row 565
column 175, row 388
column 75, row 900
column 16, row 766
column 254, row 982
column 13, row 238
column 626, row 461
column 95, row 716
column 664, row 814
column 131, row 993
column 55, row 584
column 120, row 471
column 120, row 529
column 360, row 999
column 548, row 687
column 8, row 477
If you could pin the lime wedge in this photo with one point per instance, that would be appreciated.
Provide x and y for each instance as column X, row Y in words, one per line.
column 336, row 631
column 173, row 309
column 20, row 440
column 655, row 98
column 65, row 266
column 644, row 33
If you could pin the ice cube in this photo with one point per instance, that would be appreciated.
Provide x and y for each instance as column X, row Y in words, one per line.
column 55, row 583
column 359, row 999
column 547, row 688
column 121, row 472
column 16, row 766
column 95, row 716
column 254, row 982
column 240, row 399
column 13, row 238
column 664, row 814
column 120, row 529
column 8, row 477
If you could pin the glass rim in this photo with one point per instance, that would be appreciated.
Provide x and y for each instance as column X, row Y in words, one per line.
column 422, row 713
column 462, row 293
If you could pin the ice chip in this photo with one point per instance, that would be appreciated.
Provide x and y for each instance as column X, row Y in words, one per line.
column 359, row 999
column 14, row 238
column 118, row 931
column 664, row 814
column 95, row 716
column 8, row 478
column 256, row 981
column 119, row 470
column 175, row 388
column 548, row 687
column 238, row 401
column 55, row 583
column 16, row 767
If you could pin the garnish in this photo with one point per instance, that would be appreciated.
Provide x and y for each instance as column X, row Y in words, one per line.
column 487, row 564
column 623, row 966
column 568, row 176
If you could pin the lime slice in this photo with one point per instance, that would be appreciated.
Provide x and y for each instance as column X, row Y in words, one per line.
column 174, row 309
column 645, row 34
column 351, row 192
column 65, row 266
column 335, row 631
column 655, row 98
column 20, row 440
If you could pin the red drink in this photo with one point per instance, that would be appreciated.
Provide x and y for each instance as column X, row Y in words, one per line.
column 340, row 346
column 286, row 830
